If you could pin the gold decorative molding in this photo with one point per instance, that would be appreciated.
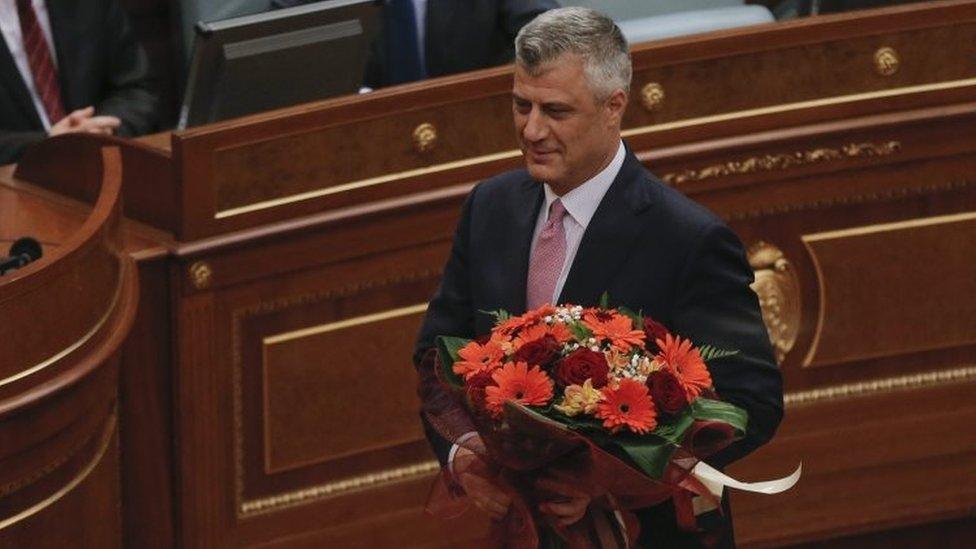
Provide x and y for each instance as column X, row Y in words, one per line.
column 77, row 344
column 886, row 61
column 880, row 386
column 774, row 162
column 343, row 324
column 238, row 316
column 778, row 289
column 424, row 137
column 106, row 438
column 652, row 96
column 629, row 132
column 878, row 196
column 362, row 482
column 201, row 274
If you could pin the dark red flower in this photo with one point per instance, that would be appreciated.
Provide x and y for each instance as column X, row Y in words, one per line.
column 475, row 388
column 583, row 364
column 654, row 331
column 540, row 352
column 667, row 391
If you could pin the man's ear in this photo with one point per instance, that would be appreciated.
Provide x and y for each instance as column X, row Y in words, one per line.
column 616, row 104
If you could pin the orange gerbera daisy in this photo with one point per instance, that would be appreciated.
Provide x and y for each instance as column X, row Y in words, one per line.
column 477, row 358
column 617, row 328
column 558, row 331
column 517, row 382
column 628, row 405
column 684, row 359
column 530, row 318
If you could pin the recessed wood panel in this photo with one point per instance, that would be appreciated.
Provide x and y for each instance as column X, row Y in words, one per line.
column 894, row 288
column 340, row 389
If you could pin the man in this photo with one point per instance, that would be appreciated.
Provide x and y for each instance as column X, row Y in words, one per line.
column 585, row 200
column 428, row 38
column 70, row 66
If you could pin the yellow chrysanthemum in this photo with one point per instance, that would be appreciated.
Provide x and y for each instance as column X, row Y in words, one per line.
column 580, row 399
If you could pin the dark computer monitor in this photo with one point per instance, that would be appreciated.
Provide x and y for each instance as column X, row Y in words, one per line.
column 278, row 58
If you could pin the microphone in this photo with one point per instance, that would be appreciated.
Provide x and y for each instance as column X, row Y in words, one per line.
column 22, row 251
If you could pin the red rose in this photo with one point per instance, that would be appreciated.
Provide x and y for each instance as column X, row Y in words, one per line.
column 666, row 391
column 475, row 389
column 583, row 364
column 654, row 331
column 540, row 352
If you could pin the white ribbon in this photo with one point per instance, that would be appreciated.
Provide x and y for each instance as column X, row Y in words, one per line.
column 716, row 481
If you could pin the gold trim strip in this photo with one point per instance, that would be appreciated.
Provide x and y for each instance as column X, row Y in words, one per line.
column 642, row 130
column 887, row 227
column 53, row 498
column 883, row 385
column 356, row 483
column 379, row 180
column 343, row 324
column 74, row 346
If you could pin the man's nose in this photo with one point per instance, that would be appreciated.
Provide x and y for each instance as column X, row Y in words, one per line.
column 535, row 128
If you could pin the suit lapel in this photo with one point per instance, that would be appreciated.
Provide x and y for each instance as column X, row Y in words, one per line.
column 518, row 231
column 609, row 237
column 13, row 82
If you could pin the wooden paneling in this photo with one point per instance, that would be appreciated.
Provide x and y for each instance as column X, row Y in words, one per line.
column 916, row 309
column 65, row 317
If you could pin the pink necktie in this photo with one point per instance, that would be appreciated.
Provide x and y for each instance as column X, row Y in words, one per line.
column 547, row 258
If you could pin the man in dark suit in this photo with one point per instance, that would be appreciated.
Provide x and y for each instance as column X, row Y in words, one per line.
column 94, row 79
column 582, row 219
column 457, row 36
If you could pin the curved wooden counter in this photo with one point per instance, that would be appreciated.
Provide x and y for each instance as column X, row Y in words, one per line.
column 64, row 318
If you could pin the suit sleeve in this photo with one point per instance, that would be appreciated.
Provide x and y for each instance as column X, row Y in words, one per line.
column 517, row 13
column 717, row 306
column 130, row 92
column 449, row 313
column 13, row 144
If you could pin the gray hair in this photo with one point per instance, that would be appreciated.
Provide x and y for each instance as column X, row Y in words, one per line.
column 584, row 32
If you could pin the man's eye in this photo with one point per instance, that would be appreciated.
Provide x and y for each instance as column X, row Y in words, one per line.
column 523, row 107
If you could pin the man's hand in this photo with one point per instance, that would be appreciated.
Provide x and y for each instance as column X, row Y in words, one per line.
column 484, row 495
column 570, row 503
column 85, row 121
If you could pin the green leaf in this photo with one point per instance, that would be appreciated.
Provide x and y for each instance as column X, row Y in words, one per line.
column 705, row 409
column 710, row 353
column 673, row 430
column 637, row 318
column 650, row 454
column 605, row 301
column 500, row 315
column 580, row 332
column 447, row 348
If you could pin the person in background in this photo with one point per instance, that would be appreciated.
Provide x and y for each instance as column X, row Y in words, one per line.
column 429, row 38
column 70, row 66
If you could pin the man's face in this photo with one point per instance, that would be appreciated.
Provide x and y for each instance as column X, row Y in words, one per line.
column 566, row 134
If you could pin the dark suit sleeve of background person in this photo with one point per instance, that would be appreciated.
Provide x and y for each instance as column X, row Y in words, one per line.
column 127, row 89
column 715, row 305
column 449, row 314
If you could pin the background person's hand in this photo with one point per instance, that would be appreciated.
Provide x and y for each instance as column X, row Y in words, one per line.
column 85, row 121
column 483, row 493
column 569, row 504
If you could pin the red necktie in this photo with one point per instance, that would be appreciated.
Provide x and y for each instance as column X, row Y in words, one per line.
column 547, row 259
column 41, row 64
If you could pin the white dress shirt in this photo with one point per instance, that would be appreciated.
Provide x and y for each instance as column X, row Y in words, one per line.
column 580, row 203
column 10, row 25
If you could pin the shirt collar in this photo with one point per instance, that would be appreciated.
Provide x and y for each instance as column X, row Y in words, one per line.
column 581, row 203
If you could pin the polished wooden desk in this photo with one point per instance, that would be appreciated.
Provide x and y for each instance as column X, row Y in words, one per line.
column 64, row 320
column 283, row 255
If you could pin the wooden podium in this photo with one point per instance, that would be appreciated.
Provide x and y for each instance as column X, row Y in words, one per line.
column 284, row 261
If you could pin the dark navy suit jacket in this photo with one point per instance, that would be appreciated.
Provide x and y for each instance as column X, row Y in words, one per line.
column 651, row 249
column 100, row 63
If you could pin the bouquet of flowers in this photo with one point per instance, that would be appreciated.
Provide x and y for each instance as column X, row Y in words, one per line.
column 609, row 396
